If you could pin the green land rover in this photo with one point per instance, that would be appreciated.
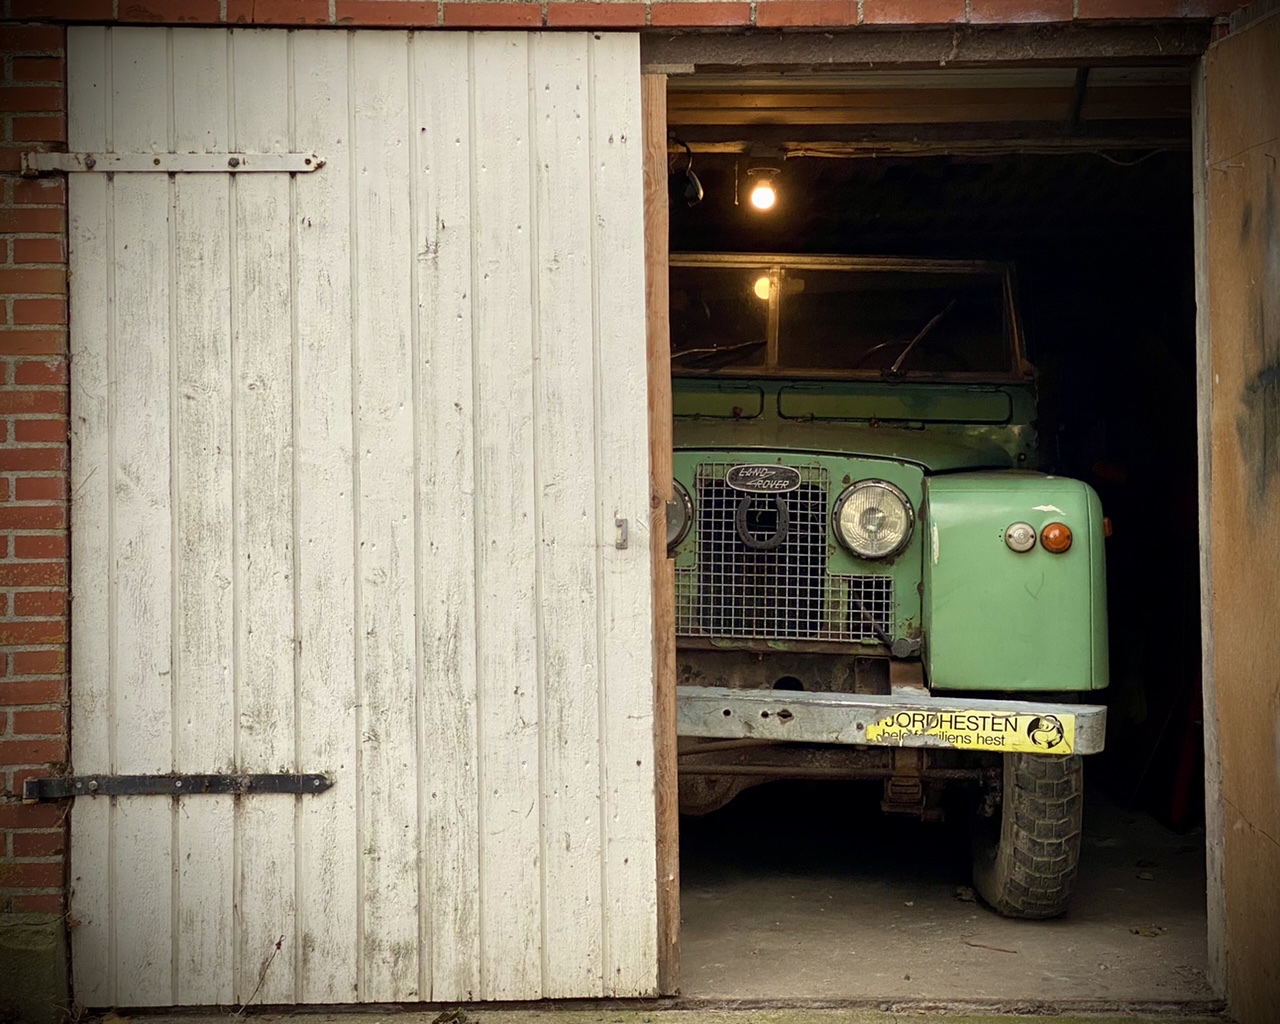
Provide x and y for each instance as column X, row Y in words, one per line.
column 874, row 580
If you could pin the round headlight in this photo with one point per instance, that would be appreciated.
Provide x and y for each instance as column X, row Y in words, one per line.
column 873, row 519
column 679, row 515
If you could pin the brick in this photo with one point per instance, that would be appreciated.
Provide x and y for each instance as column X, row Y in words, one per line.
column 171, row 12
column 33, row 343
column 41, row 371
column 33, row 460
column 278, row 12
column 805, row 13
column 40, row 192
column 1019, row 12
column 33, row 39
column 33, row 903
column 33, row 281
column 51, row 402
column 38, row 69
column 30, row 875
column 14, row 693
column 39, row 250
column 687, row 14
column 39, row 723
column 40, row 431
column 1129, row 10
column 412, row 13
column 492, row 15
column 38, row 129
column 34, row 574
column 4, row 258
column 16, row 815
column 53, row 631
column 39, row 844
column 25, row 751
column 39, row 604
column 595, row 15
column 39, row 311
column 40, row 488
column 1212, row 8
column 61, row 10
column 32, row 220
column 4, row 480
column 33, row 517
column 919, row 12
column 38, row 663
column 49, row 546
column 30, row 99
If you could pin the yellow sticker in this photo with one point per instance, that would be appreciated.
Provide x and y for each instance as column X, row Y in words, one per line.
column 978, row 730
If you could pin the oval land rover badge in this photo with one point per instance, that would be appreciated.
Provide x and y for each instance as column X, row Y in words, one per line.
column 763, row 479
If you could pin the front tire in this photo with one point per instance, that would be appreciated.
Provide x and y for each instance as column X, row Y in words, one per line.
column 1026, row 855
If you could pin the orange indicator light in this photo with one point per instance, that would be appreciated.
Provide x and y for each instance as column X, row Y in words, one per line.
column 1056, row 537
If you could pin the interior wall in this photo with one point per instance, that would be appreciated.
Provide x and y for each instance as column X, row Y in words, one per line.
column 1242, row 261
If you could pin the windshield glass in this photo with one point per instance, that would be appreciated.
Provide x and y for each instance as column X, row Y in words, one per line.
column 842, row 321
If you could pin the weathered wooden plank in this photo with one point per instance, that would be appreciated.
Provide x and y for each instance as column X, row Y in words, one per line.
column 262, row 437
column 327, row 737
column 204, row 626
column 90, row 240
column 623, row 453
column 1215, row 897
column 447, row 760
column 662, row 570
column 510, row 874
column 386, row 570
column 142, row 540
column 568, row 677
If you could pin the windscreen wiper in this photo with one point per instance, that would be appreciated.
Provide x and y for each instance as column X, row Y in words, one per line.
column 896, row 368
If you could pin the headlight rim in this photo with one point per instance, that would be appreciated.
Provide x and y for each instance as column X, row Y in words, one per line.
column 885, row 485
column 681, row 495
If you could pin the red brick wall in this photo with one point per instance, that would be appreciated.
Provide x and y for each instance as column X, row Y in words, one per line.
column 33, row 468
column 798, row 14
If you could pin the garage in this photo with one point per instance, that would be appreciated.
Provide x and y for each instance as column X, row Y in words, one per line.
column 1097, row 212
column 388, row 382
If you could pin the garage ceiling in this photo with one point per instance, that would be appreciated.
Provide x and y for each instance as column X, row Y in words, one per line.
column 961, row 110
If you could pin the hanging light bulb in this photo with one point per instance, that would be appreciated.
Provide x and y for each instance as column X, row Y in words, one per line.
column 761, row 287
column 763, row 192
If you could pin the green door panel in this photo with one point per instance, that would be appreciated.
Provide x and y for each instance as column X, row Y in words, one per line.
column 998, row 620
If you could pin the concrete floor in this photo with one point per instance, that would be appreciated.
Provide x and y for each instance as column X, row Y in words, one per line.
column 804, row 891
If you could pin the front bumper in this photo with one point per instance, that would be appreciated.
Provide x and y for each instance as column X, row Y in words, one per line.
column 950, row 723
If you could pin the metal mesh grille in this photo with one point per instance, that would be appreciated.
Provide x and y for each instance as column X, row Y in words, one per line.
column 784, row 594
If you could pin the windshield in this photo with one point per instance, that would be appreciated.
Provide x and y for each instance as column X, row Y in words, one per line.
column 838, row 318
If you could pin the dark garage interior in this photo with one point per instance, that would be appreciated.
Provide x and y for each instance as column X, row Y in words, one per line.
column 793, row 883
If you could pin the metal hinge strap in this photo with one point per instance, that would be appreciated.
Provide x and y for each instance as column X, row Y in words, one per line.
column 171, row 163
column 66, row 787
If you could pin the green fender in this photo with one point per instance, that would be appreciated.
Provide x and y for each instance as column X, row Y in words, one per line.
column 995, row 619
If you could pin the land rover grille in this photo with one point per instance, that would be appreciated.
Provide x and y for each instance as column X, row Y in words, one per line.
column 737, row 591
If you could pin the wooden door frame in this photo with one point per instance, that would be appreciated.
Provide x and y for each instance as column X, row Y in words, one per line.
column 653, row 104
column 683, row 54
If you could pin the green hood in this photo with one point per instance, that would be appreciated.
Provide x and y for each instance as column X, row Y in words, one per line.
column 942, row 427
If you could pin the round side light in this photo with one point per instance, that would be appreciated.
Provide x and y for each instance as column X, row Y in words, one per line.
column 679, row 515
column 1056, row 537
column 1020, row 537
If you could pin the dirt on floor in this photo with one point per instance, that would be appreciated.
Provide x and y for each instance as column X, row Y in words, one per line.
column 808, row 892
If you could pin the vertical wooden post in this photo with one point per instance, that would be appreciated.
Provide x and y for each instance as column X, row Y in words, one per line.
column 654, row 106
column 1214, row 818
